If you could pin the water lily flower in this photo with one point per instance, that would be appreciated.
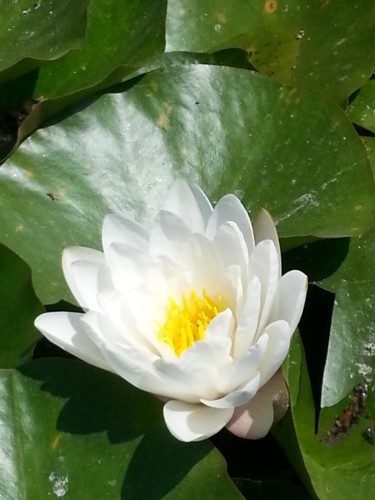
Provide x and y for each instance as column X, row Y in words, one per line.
column 194, row 311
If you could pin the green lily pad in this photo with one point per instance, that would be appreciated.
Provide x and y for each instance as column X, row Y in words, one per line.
column 325, row 45
column 333, row 460
column 118, row 34
column 122, row 38
column 362, row 110
column 136, row 35
column 346, row 267
column 351, row 350
column 227, row 129
column 29, row 32
column 19, row 307
column 70, row 430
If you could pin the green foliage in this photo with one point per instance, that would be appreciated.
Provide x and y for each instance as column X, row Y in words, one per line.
column 73, row 172
column 103, row 104
column 19, row 309
column 99, row 438
column 29, row 33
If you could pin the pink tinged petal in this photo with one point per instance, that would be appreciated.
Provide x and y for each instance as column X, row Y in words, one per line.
column 229, row 208
column 190, row 204
column 194, row 422
column 238, row 397
column 117, row 229
column 66, row 331
column 86, row 272
column 264, row 263
column 254, row 419
column 128, row 265
column 170, row 237
column 247, row 318
column 279, row 335
column 243, row 369
column 265, row 229
column 290, row 298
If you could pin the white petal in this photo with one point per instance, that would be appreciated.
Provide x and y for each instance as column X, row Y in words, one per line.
column 128, row 266
column 236, row 398
column 243, row 369
column 135, row 366
column 247, row 318
column 290, row 298
column 231, row 246
column 207, row 272
column 193, row 376
column 264, row 263
column 265, row 229
column 66, row 330
column 254, row 419
column 142, row 312
column 185, row 380
column 279, row 335
column 170, row 237
column 119, row 313
column 221, row 325
column 168, row 278
column 103, row 331
column 232, row 290
column 229, row 208
column 85, row 271
column 190, row 422
column 117, row 229
column 190, row 203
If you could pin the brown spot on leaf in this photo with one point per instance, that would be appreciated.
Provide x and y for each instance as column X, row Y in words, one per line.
column 221, row 17
column 358, row 208
column 270, row 6
column 162, row 121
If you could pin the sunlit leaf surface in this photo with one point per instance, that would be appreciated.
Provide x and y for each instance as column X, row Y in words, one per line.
column 227, row 129
column 68, row 429
column 325, row 45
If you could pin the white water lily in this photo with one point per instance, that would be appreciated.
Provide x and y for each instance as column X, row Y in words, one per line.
column 195, row 311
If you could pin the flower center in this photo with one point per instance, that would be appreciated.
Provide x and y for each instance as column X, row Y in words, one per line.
column 187, row 323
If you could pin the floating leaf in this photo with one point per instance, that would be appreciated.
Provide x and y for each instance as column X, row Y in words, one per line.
column 227, row 129
column 336, row 459
column 324, row 45
column 122, row 37
column 19, row 307
column 362, row 110
column 67, row 428
column 38, row 30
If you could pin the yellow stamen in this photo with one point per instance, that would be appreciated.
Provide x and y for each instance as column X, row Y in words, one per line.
column 187, row 323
